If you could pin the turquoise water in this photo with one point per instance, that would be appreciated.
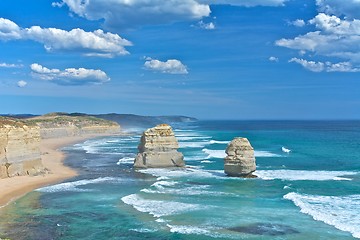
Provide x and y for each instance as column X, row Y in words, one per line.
column 312, row 192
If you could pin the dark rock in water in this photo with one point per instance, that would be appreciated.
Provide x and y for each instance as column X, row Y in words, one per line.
column 268, row 229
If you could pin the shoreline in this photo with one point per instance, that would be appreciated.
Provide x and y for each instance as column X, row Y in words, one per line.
column 53, row 159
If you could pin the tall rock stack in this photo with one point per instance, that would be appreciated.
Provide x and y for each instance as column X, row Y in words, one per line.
column 240, row 159
column 158, row 148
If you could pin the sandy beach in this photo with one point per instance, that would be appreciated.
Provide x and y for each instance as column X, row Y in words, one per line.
column 52, row 158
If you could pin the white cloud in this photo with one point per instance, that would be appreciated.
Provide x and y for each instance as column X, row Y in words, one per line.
column 10, row 65
column 310, row 65
column 206, row 26
column 96, row 43
column 171, row 66
column 341, row 67
column 349, row 8
column 334, row 37
column 246, row 3
column 69, row 76
column 334, row 25
column 273, row 59
column 21, row 83
column 327, row 66
column 129, row 13
column 298, row 23
column 9, row 30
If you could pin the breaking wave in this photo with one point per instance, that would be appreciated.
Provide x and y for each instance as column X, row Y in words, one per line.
column 341, row 212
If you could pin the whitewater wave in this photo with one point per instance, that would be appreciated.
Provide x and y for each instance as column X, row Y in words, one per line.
column 298, row 175
column 162, row 184
column 189, row 138
column 193, row 144
column 218, row 142
column 341, row 212
column 214, row 153
column 206, row 161
column 187, row 191
column 188, row 230
column 285, row 150
column 126, row 160
column 265, row 154
column 221, row 153
column 72, row 186
column 178, row 173
column 159, row 208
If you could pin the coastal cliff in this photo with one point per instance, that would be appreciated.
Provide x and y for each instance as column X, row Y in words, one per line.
column 20, row 139
column 19, row 148
column 158, row 148
column 56, row 125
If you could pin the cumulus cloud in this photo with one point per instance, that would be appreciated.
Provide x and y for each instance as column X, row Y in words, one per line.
column 350, row 8
column 69, row 76
column 171, row 66
column 273, row 59
column 298, row 23
column 247, row 3
column 130, row 13
column 125, row 13
column 21, row 83
column 327, row 66
column 9, row 30
column 96, row 43
column 334, row 37
column 10, row 65
column 310, row 65
column 206, row 26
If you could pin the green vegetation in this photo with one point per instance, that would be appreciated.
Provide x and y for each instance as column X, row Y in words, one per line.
column 64, row 119
column 57, row 120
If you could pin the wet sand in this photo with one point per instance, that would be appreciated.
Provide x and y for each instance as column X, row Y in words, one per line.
column 52, row 158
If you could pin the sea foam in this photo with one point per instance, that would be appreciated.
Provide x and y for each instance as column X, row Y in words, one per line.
column 72, row 186
column 158, row 208
column 126, row 160
column 341, row 212
column 298, row 175
column 221, row 153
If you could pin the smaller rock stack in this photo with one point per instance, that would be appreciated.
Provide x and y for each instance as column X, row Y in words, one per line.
column 240, row 159
column 158, row 149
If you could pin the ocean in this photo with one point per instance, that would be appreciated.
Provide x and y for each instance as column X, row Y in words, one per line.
column 311, row 192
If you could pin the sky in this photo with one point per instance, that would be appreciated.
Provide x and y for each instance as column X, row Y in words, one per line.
column 210, row 59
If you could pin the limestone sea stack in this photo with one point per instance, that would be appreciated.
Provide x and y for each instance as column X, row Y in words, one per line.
column 240, row 159
column 158, row 149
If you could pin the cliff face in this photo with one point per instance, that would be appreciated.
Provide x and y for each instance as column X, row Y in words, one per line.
column 54, row 126
column 158, row 148
column 20, row 139
column 19, row 149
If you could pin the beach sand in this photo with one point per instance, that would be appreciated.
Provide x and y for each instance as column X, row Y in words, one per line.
column 52, row 158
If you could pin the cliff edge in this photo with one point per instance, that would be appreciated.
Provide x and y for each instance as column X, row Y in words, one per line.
column 20, row 139
column 54, row 125
column 19, row 148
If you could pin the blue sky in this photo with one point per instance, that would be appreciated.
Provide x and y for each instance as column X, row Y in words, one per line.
column 224, row 59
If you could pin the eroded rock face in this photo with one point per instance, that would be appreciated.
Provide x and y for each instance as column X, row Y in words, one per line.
column 158, row 148
column 240, row 159
column 19, row 149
